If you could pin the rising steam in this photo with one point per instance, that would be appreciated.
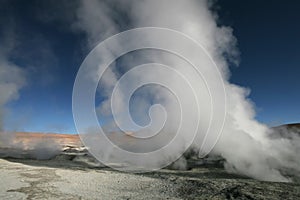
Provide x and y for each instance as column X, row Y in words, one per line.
column 12, row 80
column 245, row 144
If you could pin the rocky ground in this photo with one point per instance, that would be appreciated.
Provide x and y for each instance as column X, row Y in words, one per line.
column 71, row 176
column 74, row 174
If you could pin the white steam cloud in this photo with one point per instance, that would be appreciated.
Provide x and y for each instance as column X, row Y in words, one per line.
column 12, row 80
column 12, row 77
column 247, row 145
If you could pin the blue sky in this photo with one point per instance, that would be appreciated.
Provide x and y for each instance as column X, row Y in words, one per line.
column 51, row 52
column 268, row 35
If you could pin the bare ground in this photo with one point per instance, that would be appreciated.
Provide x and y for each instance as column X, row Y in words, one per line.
column 63, row 179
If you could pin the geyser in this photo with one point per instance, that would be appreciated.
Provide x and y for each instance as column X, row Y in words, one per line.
column 245, row 144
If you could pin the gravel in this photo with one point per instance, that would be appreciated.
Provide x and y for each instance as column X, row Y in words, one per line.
column 67, row 179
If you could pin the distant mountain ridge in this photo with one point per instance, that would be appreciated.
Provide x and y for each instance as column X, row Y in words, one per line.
column 293, row 125
column 28, row 138
column 288, row 128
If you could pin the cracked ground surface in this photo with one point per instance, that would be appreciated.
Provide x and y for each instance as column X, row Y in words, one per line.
column 31, row 179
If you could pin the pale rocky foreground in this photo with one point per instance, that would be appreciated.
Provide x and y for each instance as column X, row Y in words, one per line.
column 64, row 179
column 74, row 174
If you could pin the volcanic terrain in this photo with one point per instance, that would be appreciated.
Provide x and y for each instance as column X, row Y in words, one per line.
column 70, row 172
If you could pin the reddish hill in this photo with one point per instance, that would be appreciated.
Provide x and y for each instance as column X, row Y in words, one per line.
column 27, row 138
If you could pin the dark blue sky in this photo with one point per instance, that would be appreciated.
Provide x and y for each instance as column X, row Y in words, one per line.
column 268, row 34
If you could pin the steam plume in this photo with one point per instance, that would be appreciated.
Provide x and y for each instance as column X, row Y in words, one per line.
column 12, row 80
column 12, row 77
column 246, row 144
